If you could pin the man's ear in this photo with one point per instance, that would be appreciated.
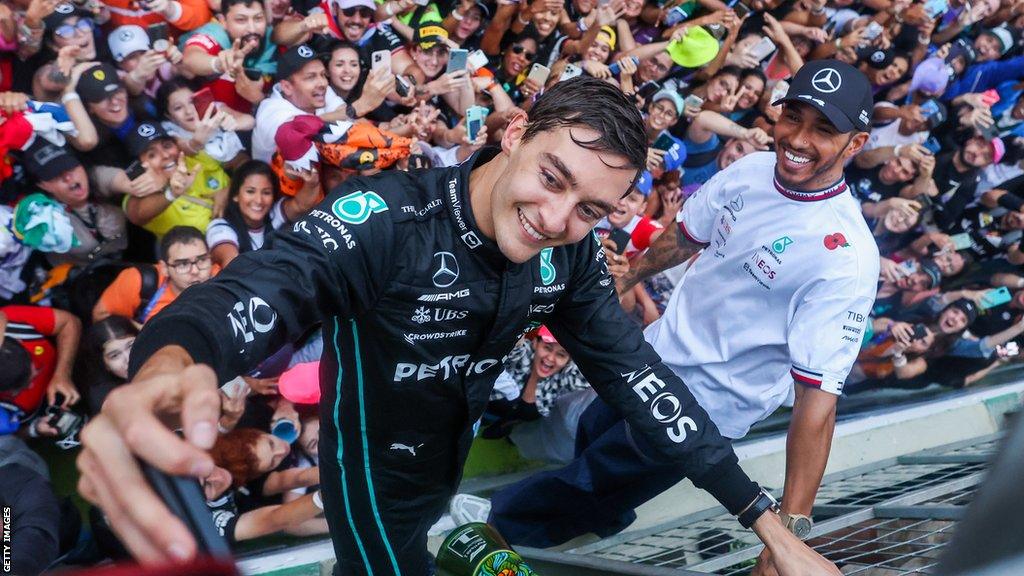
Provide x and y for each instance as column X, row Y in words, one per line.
column 220, row 19
column 514, row 131
column 286, row 88
column 856, row 144
column 161, row 266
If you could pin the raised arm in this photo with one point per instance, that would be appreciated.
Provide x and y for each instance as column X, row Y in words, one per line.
column 671, row 249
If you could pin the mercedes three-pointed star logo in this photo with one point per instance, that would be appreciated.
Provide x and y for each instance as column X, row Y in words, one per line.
column 827, row 80
column 447, row 269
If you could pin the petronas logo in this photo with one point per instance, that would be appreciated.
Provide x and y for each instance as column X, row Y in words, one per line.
column 547, row 269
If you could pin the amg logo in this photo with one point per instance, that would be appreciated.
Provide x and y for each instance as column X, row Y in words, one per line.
column 444, row 296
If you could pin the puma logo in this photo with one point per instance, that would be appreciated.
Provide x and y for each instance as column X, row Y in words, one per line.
column 410, row 449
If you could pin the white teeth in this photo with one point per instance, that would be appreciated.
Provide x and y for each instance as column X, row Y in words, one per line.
column 530, row 229
column 798, row 159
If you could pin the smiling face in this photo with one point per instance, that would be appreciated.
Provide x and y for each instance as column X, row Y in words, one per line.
column 898, row 222
column 245, row 22
column 952, row 320
column 75, row 31
column 721, row 86
column 549, row 358
column 181, row 110
column 344, row 69
column 470, row 23
column 161, row 156
column 661, row 115
column 433, row 60
column 751, row 89
column 600, row 49
column 255, row 197
column 111, row 111
column 115, row 355
column 552, row 191
column 70, row 188
column 354, row 22
column 890, row 73
column 897, row 170
column 627, row 207
column 987, row 47
column 734, row 150
column 545, row 22
column 307, row 87
column 810, row 151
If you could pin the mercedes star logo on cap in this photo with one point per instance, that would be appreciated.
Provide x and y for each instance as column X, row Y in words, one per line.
column 305, row 51
column 146, row 130
column 447, row 269
column 64, row 9
column 827, row 80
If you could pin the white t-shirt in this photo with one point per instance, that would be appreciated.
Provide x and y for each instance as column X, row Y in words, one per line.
column 781, row 293
column 273, row 111
column 889, row 134
column 220, row 231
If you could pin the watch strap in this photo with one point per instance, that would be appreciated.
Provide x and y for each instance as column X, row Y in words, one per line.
column 763, row 503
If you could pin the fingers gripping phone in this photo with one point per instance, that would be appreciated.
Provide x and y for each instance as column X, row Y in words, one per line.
column 995, row 297
column 457, row 60
column 159, row 36
column 664, row 142
column 475, row 116
column 202, row 99
column 184, row 498
column 620, row 238
column 380, row 59
column 539, row 74
column 134, row 170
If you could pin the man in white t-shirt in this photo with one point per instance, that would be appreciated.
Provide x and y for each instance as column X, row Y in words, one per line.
column 301, row 89
column 774, row 306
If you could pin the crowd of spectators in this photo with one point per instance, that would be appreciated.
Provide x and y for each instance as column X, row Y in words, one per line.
column 146, row 143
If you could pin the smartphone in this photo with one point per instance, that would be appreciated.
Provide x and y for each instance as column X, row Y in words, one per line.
column 961, row 240
column 457, row 60
column 694, row 101
column 134, row 170
column 402, row 84
column 933, row 145
column 990, row 97
column 741, row 10
column 184, row 498
column 476, row 59
column 1008, row 350
column 475, row 116
column 920, row 331
column 539, row 74
column 780, row 90
column 936, row 8
column 664, row 142
column 989, row 132
column 620, row 238
column 871, row 32
column 571, row 71
column 159, row 35
column 907, row 267
column 762, row 49
column 615, row 68
column 995, row 297
column 203, row 99
column 929, row 108
column 380, row 59
column 235, row 388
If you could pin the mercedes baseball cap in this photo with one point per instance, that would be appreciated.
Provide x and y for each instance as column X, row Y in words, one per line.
column 98, row 83
column 144, row 135
column 45, row 161
column 837, row 90
column 62, row 12
column 126, row 40
column 293, row 60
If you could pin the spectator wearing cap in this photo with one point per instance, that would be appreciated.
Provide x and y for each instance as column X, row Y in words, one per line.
column 176, row 189
column 995, row 227
column 664, row 111
column 235, row 53
column 183, row 15
column 885, row 67
column 301, row 89
column 106, row 100
column 993, row 43
column 98, row 226
column 982, row 76
column 430, row 53
column 143, row 69
column 929, row 80
column 957, row 175
column 465, row 24
column 68, row 25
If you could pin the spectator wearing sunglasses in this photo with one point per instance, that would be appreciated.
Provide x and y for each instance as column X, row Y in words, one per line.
column 70, row 26
column 511, row 66
column 184, row 262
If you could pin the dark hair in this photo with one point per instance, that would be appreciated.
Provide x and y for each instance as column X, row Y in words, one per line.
column 90, row 368
column 756, row 73
column 226, row 5
column 163, row 94
column 364, row 67
column 17, row 366
column 179, row 235
column 595, row 104
column 233, row 214
column 729, row 70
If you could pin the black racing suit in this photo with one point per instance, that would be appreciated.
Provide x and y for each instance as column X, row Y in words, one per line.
column 418, row 310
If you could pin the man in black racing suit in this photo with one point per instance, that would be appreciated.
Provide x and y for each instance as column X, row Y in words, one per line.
column 419, row 305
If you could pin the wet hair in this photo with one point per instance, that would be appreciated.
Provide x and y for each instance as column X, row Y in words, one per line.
column 180, row 235
column 236, row 453
column 595, row 104
column 17, row 366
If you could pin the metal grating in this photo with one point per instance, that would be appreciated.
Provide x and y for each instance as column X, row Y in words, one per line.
column 888, row 519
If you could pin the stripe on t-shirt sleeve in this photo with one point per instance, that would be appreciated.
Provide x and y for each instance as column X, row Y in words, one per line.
column 806, row 377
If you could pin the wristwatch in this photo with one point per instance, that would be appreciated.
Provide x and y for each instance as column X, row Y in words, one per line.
column 798, row 524
column 763, row 503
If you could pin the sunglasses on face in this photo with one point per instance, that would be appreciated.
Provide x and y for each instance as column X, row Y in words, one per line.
column 361, row 10
column 520, row 49
column 69, row 30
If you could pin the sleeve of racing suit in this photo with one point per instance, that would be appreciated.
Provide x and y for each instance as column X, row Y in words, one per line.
column 626, row 372
column 331, row 262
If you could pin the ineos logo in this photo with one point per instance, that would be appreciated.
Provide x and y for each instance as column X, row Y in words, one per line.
column 447, row 269
column 827, row 80
column 146, row 130
column 305, row 51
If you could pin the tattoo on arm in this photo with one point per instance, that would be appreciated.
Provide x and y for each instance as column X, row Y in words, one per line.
column 670, row 249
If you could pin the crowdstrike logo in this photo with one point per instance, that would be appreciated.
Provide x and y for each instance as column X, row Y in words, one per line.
column 414, row 338
column 447, row 269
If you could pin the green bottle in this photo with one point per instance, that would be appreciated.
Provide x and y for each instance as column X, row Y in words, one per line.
column 476, row 549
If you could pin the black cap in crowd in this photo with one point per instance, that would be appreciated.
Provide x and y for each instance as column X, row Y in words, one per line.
column 837, row 90
column 881, row 59
column 62, row 12
column 45, row 161
column 98, row 83
column 144, row 135
column 293, row 60
column 969, row 308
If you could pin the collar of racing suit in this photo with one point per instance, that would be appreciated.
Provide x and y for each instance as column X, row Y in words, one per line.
column 814, row 195
column 456, row 197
